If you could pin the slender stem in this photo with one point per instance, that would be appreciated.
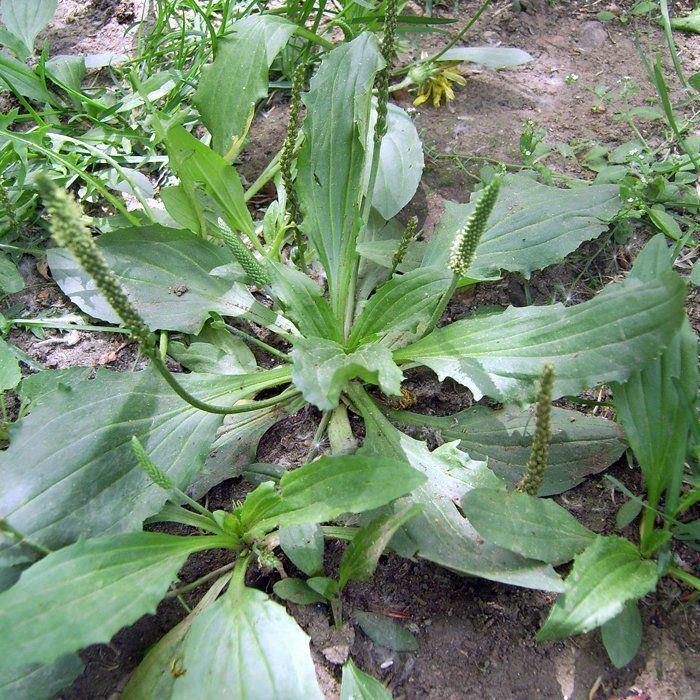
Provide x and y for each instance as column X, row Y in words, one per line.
column 442, row 305
column 339, row 533
column 21, row 539
column 684, row 576
column 201, row 580
column 255, row 341
column 210, row 408
column 238, row 577
column 318, row 435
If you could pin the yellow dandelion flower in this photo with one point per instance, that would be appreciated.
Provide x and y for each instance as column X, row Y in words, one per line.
column 434, row 81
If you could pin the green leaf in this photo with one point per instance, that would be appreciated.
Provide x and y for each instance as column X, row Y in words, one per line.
column 400, row 306
column 40, row 681
column 322, row 370
column 10, row 374
column 304, row 302
column 10, row 279
column 501, row 355
column 297, row 591
column 531, row 226
column 360, row 559
column 236, row 446
column 26, row 18
column 82, row 478
column 689, row 23
column 15, row 74
column 85, row 593
column 231, row 86
column 581, row 444
column 488, row 56
column 330, row 486
column 304, row 545
column 154, row 678
column 652, row 405
column 246, row 646
column 440, row 533
column 627, row 513
column 198, row 166
column 537, row 528
column 607, row 575
column 623, row 634
column 331, row 164
column 70, row 70
column 206, row 358
column 400, row 164
column 168, row 274
column 381, row 630
column 665, row 223
column 358, row 685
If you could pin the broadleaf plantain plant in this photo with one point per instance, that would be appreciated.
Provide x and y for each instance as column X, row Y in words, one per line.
column 76, row 498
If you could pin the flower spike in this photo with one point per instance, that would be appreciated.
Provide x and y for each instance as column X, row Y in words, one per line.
column 68, row 231
column 467, row 238
column 406, row 239
column 537, row 463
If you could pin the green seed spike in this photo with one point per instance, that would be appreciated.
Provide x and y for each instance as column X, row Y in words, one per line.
column 407, row 237
column 253, row 269
column 69, row 232
column 293, row 126
column 467, row 238
column 152, row 471
column 388, row 50
column 537, row 463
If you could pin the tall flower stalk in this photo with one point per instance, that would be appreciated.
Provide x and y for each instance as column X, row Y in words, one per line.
column 69, row 232
column 464, row 246
column 536, row 465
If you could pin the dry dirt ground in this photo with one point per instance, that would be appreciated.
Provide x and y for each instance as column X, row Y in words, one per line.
column 476, row 637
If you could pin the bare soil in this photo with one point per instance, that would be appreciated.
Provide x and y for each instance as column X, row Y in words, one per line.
column 476, row 637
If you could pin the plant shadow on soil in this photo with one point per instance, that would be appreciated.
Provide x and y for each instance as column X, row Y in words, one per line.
column 476, row 637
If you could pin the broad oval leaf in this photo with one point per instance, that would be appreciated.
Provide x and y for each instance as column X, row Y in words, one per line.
column 330, row 486
column 400, row 306
column 623, row 634
column 440, row 533
column 400, row 164
column 304, row 302
column 81, row 477
column 537, row 528
column 304, row 545
column 604, row 339
column 488, row 56
column 331, row 163
column 604, row 577
column 581, row 444
column 384, row 631
column 653, row 406
column 531, row 226
column 26, row 18
column 358, row 685
column 40, row 681
column 154, row 678
column 10, row 279
column 360, row 559
column 231, row 86
column 10, row 374
column 167, row 274
column 85, row 593
column 246, row 646
column 322, row 370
